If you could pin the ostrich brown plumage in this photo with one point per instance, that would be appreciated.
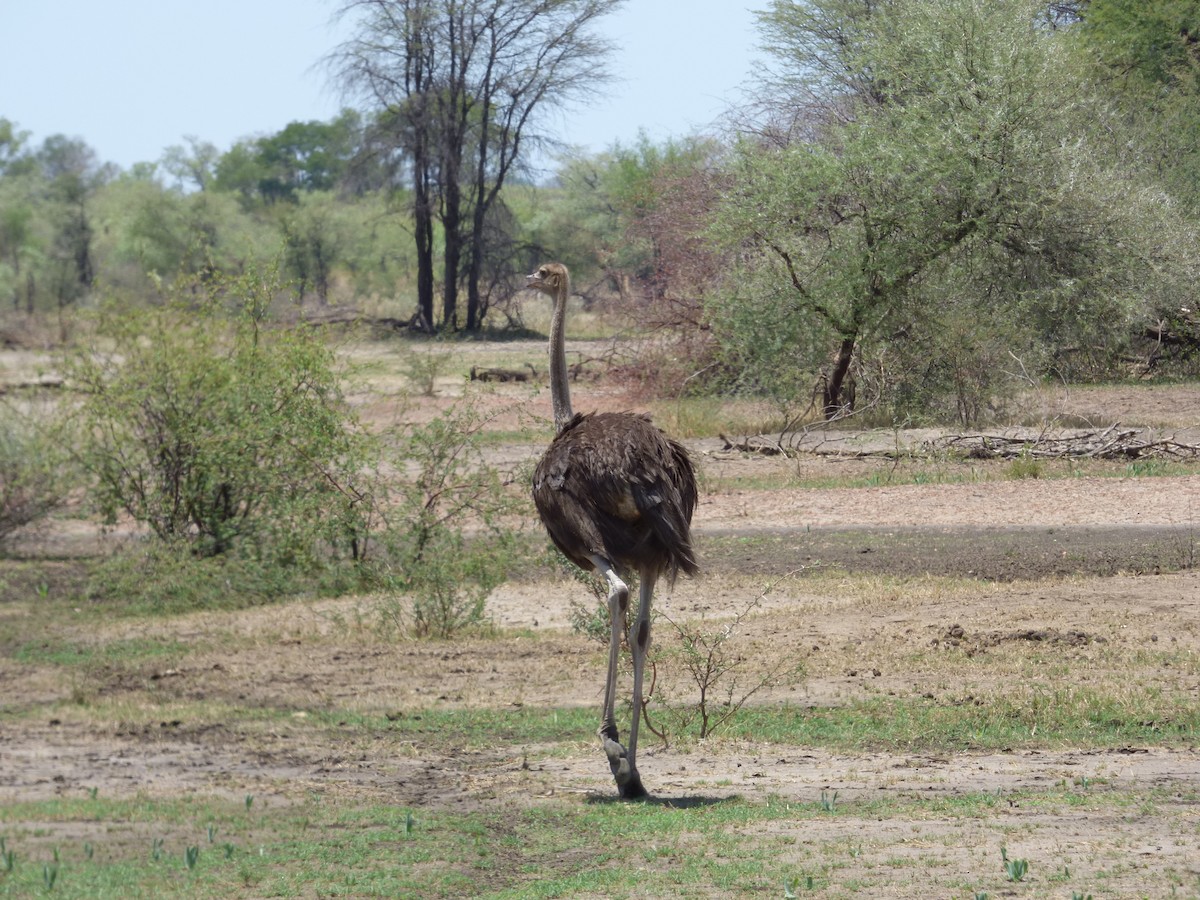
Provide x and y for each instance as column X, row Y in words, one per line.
column 617, row 496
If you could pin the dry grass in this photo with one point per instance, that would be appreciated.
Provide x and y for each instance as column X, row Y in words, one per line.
column 951, row 715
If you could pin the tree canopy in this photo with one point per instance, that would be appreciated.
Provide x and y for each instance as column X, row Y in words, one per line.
column 931, row 179
column 920, row 200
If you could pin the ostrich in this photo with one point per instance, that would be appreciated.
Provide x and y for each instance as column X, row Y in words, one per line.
column 616, row 496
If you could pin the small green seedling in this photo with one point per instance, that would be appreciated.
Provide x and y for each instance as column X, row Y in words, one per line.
column 249, row 801
column 1016, row 868
column 790, row 887
column 190, row 856
column 409, row 822
column 828, row 801
column 212, row 833
column 88, row 851
column 49, row 875
column 156, row 849
column 229, row 848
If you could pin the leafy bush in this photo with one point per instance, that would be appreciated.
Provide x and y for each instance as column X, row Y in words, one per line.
column 436, row 573
column 212, row 429
column 31, row 483
column 423, row 367
column 953, row 368
column 231, row 442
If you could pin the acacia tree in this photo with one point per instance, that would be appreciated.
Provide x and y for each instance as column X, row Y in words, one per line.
column 1157, row 42
column 194, row 164
column 47, row 237
column 314, row 238
column 1146, row 57
column 624, row 211
column 460, row 85
column 16, row 241
column 539, row 54
column 930, row 168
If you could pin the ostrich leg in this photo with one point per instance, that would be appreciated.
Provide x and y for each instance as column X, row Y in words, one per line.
column 640, row 646
column 618, row 760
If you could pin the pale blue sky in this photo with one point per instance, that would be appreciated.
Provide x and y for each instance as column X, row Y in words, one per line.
column 132, row 77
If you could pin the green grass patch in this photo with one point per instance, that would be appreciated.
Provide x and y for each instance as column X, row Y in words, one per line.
column 1038, row 716
column 70, row 654
column 942, row 470
column 561, row 847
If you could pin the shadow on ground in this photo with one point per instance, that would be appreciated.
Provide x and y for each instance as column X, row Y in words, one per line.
column 1004, row 554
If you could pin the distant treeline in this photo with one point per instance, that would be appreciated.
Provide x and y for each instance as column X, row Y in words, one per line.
column 920, row 202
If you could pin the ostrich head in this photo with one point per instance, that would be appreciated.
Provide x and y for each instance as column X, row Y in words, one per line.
column 550, row 278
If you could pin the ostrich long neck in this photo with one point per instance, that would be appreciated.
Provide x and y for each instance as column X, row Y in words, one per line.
column 560, row 392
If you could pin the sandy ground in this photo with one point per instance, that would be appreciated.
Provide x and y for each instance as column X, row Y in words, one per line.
column 1106, row 560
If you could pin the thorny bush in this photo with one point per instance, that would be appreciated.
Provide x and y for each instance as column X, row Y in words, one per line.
column 212, row 428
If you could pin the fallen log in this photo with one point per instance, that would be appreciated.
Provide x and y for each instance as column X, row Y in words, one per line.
column 1112, row 443
column 754, row 445
column 481, row 373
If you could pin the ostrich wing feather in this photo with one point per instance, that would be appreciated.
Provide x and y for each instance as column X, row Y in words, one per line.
column 613, row 485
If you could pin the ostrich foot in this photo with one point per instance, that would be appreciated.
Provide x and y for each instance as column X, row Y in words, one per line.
column 632, row 789
column 629, row 782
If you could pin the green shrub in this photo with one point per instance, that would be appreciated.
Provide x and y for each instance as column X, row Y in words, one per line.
column 230, row 441
column 423, row 366
column 31, row 480
column 214, row 430
column 435, row 573
column 1025, row 466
